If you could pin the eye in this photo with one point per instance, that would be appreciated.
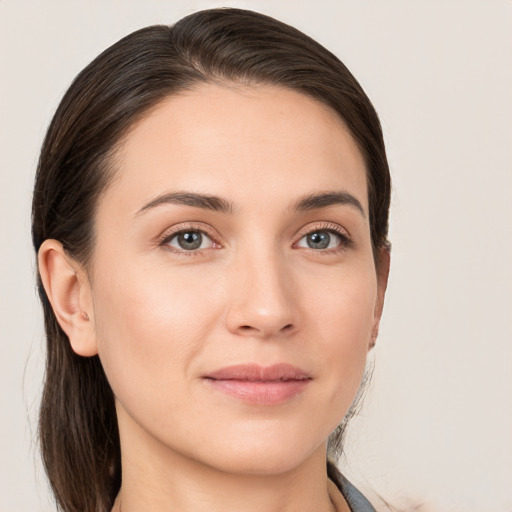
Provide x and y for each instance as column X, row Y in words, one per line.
column 319, row 240
column 323, row 239
column 189, row 240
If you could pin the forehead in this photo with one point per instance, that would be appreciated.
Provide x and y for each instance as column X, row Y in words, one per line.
column 244, row 142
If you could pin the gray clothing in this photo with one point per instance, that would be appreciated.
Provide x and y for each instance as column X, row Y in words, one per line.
column 356, row 501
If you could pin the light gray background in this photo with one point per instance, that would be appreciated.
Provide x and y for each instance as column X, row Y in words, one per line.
column 437, row 423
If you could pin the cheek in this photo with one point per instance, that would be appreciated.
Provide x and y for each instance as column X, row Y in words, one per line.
column 342, row 303
column 150, row 324
column 344, row 316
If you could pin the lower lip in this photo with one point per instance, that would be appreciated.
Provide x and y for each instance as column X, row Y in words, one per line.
column 261, row 392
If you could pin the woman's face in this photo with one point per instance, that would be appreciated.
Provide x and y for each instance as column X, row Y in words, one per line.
column 233, row 288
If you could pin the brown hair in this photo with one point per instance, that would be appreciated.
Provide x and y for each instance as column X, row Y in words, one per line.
column 78, row 427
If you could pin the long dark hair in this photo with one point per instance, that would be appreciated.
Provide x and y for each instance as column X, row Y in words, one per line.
column 78, row 427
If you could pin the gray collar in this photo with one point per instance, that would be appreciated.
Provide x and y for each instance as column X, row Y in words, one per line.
column 356, row 501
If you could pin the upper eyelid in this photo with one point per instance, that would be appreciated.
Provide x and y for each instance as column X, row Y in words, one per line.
column 323, row 226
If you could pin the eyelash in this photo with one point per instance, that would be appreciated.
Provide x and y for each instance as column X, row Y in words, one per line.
column 345, row 240
column 167, row 237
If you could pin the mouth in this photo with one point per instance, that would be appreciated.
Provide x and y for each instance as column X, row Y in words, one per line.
column 259, row 385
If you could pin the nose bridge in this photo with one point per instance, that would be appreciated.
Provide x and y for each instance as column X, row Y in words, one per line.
column 262, row 301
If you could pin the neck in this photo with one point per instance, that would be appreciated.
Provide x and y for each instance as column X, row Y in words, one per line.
column 167, row 481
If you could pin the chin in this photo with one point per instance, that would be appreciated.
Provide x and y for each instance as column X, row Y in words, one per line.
column 264, row 456
column 262, row 464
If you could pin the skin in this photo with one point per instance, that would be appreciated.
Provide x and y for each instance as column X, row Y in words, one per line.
column 161, row 316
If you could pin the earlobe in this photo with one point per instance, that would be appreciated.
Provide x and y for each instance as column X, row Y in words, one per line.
column 382, row 283
column 68, row 291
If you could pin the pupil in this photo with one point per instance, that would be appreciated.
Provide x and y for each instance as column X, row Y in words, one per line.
column 318, row 240
column 190, row 240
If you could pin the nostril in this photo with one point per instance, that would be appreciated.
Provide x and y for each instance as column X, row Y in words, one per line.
column 250, row 328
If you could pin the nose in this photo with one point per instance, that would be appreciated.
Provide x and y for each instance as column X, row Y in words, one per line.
column 262, row 302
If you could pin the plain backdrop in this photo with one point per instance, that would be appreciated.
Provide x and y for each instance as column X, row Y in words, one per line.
column 436, row 426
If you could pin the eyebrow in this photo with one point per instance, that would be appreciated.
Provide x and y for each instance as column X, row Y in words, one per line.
column 204, row 201
column 218, row 204
column 325, row 199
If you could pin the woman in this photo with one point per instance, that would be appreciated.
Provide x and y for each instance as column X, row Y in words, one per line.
column 210, row 216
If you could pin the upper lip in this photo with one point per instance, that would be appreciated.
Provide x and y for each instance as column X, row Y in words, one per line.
column 256, row 373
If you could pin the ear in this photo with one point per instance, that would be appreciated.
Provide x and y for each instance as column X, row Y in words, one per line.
column 69, row 292
column 382, row 267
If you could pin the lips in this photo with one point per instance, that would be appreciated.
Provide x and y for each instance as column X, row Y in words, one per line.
column 270, row 385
